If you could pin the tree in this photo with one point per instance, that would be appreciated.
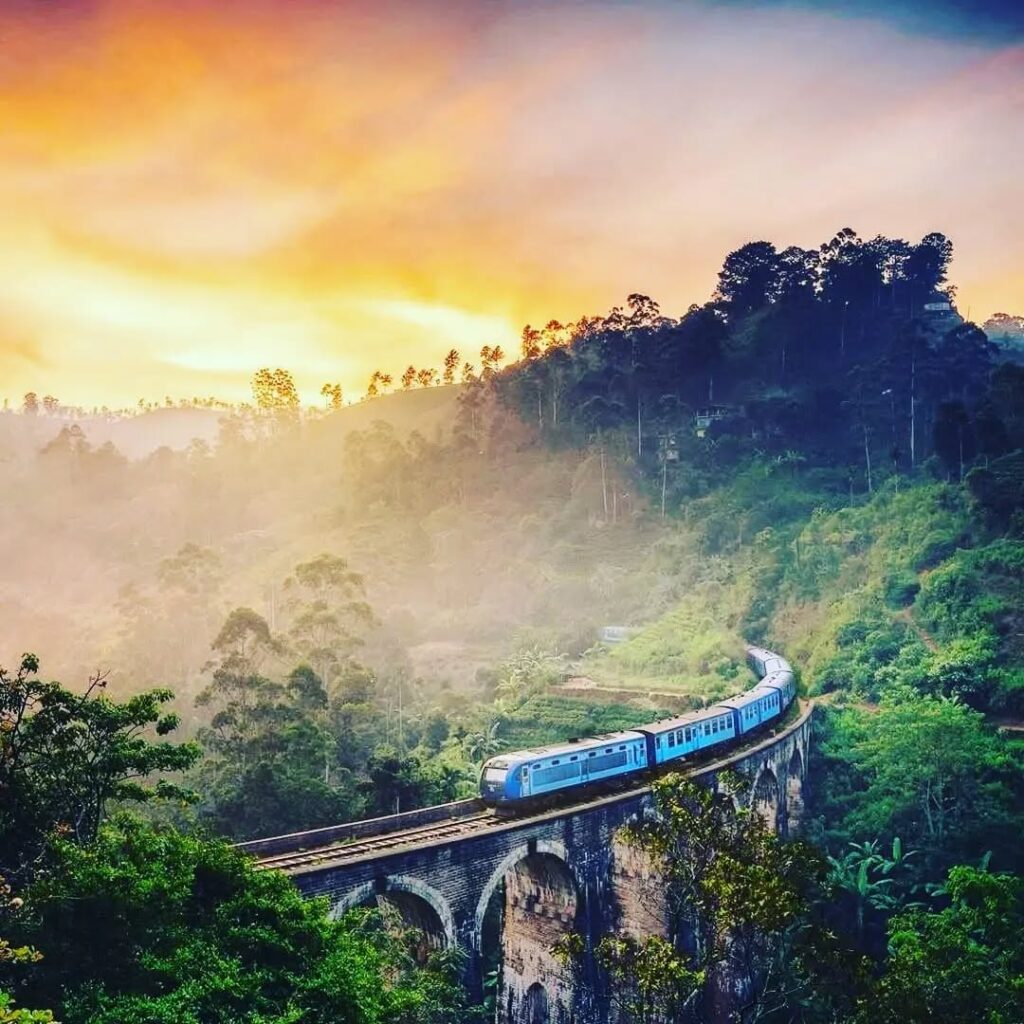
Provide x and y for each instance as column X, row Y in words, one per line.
column 328, row 613
column 30, row 403
column 398, row 782
column 749, row 279
column 531, row 343
column 64, row 755
column 332, row 396
column 953, row 438
column 408, row 377
column 243, row 644
column 866, row 877
column 961, row 964
column 50, row 405
column 149, row 924
column 451, row 365
column 925, row 767
column 271, row 751
column 926, row 267
column 379, row 382
column 275, row 391
column 1005, row 329
column 426, row 377
column 737, row 895
column 490, row 359
column 12, row 957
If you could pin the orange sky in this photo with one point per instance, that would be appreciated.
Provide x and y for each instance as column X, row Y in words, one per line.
column 189, row 191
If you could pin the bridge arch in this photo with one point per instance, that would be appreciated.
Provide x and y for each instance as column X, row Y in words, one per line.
column 765, row 797
column 535, row 1005
column 795, row 791
column 419, row 905
column 542, row 903
column 520, row 853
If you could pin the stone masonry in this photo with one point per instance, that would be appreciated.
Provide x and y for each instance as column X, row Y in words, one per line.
column 556, row 872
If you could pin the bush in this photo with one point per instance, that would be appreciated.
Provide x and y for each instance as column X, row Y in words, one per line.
column 900, row 588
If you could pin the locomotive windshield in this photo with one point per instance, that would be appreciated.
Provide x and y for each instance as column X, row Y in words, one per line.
column 494, row 775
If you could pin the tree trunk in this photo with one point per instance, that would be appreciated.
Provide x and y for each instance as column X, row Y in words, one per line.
column 604, row 485
column 867, row 455
column 913, row 409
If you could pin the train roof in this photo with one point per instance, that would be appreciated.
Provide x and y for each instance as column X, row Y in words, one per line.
column 668, row 724
column 775, row 679
column 742, row 700
column 765, row 656
column 557, row 749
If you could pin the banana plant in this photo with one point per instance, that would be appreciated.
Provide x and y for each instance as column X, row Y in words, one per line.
column 866, row 874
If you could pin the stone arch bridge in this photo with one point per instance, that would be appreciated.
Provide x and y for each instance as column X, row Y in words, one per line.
column 458, row 874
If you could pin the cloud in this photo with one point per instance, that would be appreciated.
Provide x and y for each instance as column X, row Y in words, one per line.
column 190, row 193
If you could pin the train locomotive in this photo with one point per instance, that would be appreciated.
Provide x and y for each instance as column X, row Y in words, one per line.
column 523, row 776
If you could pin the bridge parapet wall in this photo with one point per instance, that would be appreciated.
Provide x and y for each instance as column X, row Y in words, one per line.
column 387, row 825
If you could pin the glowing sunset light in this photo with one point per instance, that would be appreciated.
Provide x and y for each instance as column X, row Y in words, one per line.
column 190, row 191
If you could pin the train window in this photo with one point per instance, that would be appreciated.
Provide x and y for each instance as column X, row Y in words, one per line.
column 574, row 758
column 622, row 747
column 714, row 725
column 707, row 729
column 679, row 736
column 555, row 761
column 671, row 739
column 593, row 753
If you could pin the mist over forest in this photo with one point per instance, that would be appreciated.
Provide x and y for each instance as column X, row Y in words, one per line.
column 353, row 607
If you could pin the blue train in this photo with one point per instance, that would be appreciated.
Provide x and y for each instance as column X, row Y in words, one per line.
column 527, row 774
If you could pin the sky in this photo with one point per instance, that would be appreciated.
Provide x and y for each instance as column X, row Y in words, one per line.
column 192, row 190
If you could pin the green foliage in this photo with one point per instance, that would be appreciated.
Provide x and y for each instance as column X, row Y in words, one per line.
column 926, row 768
column 867, row 878
column 11, row 956
column 652, row 980
column 738, row 897
column 398, row 782
column 149, row 924
column 64, row 756
column 900, row 588
column 959, row 965
column 543, row 719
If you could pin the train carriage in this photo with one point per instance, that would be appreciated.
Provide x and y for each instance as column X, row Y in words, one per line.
column 753, row 708
column 674, row 738
column 543, row 770
column 527, row 774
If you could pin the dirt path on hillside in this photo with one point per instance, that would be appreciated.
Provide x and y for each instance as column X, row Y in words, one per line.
column 905, row 615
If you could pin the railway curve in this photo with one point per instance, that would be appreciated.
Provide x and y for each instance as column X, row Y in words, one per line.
column 362, row 842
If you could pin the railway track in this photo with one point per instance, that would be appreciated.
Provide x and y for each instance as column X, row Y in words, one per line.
column 349, row 850
column 346, row 850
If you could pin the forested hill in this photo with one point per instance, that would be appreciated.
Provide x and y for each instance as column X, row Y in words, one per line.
column 851, row 358
column 356, row 608
column 847, row 450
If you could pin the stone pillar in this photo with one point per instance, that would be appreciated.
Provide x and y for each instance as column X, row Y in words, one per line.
column 540, row 909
